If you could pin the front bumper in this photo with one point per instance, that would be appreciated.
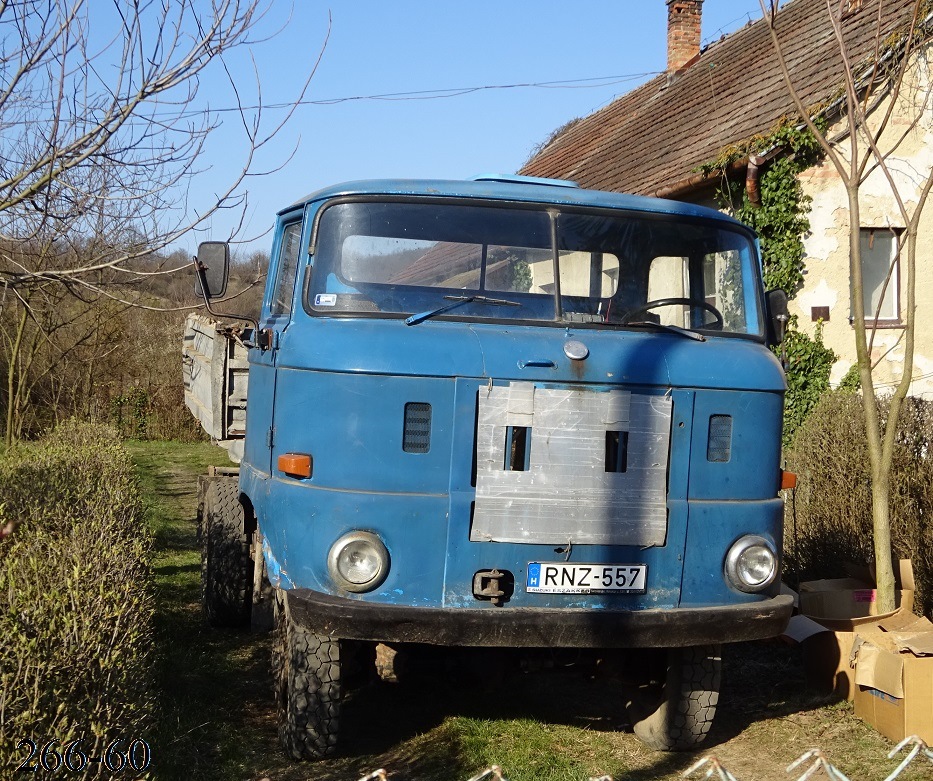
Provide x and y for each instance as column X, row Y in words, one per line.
column 539, row 627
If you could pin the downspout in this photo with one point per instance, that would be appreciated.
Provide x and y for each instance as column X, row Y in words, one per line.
column 752, row 183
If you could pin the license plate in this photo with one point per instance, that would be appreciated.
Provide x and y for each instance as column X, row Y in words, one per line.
column 561, row 578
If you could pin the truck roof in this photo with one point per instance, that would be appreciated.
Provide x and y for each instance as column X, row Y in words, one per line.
column 513, row 188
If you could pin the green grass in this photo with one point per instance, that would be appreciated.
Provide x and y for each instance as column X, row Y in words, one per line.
column 205, row 676
column 217, row 721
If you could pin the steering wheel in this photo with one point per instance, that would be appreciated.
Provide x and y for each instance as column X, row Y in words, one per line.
column 717, row 325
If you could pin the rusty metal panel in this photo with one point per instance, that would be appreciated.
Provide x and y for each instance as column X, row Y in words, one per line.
column 566, row 493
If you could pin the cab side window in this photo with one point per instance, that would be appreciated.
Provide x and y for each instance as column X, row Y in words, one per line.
column 286, row 270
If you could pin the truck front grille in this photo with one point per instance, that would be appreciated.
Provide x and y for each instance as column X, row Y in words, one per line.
column 590, row 467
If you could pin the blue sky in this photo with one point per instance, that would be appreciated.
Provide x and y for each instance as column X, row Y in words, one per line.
column 409, row 46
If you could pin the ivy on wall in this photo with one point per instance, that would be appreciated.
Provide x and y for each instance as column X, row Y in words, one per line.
column 781, row 222
column 808, row 362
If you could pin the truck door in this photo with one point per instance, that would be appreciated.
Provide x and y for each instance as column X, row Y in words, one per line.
column 276, row 315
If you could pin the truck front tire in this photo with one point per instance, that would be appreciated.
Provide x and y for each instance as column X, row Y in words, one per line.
column 226, row 566
column 306, row 667
column 677, row 715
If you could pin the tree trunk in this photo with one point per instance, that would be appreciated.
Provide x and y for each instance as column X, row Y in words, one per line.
column 881, row 525
column 11, row 385
column 879, row 456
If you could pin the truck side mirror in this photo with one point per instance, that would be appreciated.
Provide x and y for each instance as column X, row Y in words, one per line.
column 778, row 315
column 213, row 267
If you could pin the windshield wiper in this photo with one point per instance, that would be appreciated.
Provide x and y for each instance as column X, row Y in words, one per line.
column 457, row 301
column 674, row 329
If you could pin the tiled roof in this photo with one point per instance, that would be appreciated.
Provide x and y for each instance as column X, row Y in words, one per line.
column 656, row 136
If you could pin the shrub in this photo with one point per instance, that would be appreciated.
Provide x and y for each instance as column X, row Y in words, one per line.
column 75, row 603
column 833, row 521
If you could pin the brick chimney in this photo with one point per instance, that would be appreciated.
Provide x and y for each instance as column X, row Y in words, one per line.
column 683, row 32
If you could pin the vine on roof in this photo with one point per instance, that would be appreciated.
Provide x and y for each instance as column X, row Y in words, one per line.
column 551, row 138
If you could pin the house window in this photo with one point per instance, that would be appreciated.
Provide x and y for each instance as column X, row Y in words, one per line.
column 880, row 282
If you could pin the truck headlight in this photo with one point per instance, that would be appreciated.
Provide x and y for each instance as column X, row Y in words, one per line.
column 358, row 561
column 751, row 564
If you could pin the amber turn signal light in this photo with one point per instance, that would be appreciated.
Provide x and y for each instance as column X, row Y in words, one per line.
column 295, row 464
column 788, row 479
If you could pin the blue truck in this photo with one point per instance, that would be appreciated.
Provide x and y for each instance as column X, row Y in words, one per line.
column 498, row 413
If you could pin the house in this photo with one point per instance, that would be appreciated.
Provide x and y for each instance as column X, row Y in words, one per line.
column 662, row 139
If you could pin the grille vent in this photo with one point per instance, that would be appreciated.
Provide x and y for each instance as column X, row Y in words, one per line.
column 719, row 444
column 416, row 436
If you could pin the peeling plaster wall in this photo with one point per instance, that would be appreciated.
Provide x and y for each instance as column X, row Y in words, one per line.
column 826, row 282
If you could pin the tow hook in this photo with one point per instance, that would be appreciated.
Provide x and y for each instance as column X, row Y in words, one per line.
column 493, row 585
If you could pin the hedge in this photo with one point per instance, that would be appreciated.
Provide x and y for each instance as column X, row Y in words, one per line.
column 829, row 520
column 76, row 607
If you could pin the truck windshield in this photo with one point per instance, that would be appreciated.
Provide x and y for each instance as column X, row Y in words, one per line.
column 545, row 264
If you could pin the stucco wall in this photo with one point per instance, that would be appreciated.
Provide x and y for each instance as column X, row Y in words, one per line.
column 827, row 247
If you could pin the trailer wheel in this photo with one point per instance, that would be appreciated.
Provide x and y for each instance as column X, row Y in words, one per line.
column 306, row 668
column 682, row 710
column 226, row 566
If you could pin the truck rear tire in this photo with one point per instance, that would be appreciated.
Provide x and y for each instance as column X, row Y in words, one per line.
column 226, row 566
column 681, row 713
column 306, row 668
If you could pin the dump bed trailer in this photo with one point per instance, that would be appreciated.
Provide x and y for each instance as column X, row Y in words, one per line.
column 215, row 371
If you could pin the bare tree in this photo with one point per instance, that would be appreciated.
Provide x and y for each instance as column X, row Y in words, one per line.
column 102, row 134
column 105, row 126
column 885, row 101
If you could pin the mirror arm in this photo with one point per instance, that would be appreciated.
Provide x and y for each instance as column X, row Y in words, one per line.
column 261, row 340
column 782, row 319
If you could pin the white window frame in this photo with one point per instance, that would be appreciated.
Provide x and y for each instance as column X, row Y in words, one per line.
column 890, row 312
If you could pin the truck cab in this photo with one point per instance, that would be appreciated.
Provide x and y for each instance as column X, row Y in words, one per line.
column 506, row 412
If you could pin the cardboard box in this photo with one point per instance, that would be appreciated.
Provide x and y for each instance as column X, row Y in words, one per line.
column 841, row 599
column 832, row 611
column 894, row 676
column 827, row 652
